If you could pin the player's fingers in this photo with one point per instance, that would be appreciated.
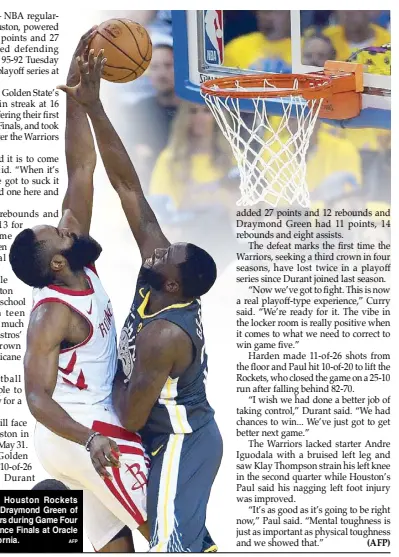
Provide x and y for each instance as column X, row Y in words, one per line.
column 103, row 63
column 105, row 463
column 112, row 454
column 103, row 459
column 87, row 37
column 83, row 69
column 98, row 62
column 82, row 66
column 102, row 464
column 92, row 61
column 99, row 468
column 85, row 54
column 114, row 446
column 112, row 458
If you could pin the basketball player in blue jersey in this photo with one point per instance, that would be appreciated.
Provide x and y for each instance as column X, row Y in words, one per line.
column 160, row 385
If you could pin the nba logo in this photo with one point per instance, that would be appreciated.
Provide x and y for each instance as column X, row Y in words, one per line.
column 213, row 37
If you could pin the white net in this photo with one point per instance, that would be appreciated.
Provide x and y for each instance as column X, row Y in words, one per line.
column 270, row 151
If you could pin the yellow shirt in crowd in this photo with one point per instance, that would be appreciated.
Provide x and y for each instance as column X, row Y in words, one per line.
column 364, row 139
column 336, row 34
column 201, row 187
column 254, row 51
column 331, row 155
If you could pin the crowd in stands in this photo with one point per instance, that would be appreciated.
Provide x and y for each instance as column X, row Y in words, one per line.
column 186, row 165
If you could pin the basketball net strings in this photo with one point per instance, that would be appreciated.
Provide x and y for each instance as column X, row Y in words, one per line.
column 271, row 159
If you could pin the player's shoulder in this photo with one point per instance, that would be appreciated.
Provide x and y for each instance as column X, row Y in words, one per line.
column 165, row 328
column 92, row 269
column 48, row 310
column 49, row 319
column 162, row 336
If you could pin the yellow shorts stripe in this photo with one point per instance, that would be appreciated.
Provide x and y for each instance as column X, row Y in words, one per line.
column 167, row 487
column 167, row 493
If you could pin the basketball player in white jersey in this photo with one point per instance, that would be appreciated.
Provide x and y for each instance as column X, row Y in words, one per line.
column 71, row 356
column 163, row 365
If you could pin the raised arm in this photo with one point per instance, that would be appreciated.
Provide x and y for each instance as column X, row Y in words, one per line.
column 48, row 327
column 117, row 163
column 79, row 148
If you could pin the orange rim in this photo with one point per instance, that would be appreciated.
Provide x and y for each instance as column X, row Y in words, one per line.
column 308, row 86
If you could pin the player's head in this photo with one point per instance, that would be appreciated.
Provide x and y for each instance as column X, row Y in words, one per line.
column 40, row 255
column 274, row 24
column 161, row 69
column 317, row 49
column 184, row 270
column 50, row 485
column 356, row 23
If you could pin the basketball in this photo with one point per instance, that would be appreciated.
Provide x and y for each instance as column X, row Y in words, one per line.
column 127, row 48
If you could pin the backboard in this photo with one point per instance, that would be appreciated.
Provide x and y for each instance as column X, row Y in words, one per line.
column 209, row 43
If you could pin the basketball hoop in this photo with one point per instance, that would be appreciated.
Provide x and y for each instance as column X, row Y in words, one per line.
column 270, row 155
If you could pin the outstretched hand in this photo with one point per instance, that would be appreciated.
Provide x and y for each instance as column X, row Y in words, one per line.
column 87, row 91
column 81, row 50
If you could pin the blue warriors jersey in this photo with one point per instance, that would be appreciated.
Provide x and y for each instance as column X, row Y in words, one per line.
column 182, row 406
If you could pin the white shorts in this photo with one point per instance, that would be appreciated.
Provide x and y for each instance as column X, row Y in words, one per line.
column 108, row 505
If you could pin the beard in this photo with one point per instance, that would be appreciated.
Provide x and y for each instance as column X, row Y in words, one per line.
column 151, row 277
column 84, row 250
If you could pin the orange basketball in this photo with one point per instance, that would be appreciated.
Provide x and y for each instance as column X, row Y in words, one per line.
column 127, row 48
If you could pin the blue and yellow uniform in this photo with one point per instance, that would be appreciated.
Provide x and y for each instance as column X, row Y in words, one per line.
column 181, row 435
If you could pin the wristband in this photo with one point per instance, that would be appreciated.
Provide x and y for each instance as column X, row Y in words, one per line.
column 90, row 439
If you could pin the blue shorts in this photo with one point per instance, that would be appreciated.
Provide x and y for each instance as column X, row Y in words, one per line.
column 183, row 468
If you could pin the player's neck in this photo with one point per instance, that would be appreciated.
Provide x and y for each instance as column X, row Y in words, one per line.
column 160, row 300
column 73, row 281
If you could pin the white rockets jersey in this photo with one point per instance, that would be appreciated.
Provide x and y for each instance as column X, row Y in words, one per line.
column 86, row 371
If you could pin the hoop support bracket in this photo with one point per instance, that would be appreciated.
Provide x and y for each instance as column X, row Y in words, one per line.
column 343, row 100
